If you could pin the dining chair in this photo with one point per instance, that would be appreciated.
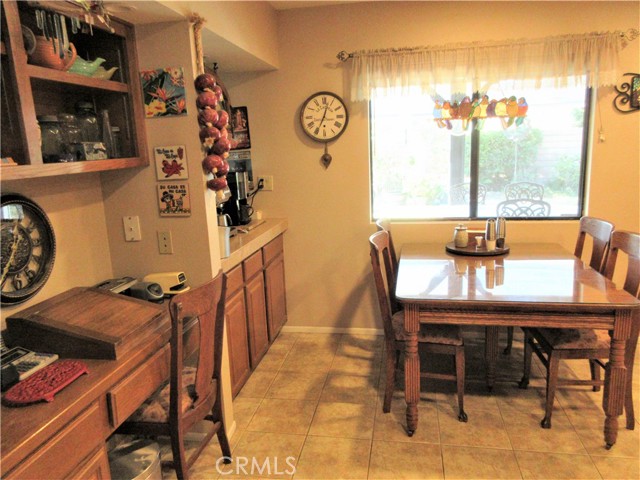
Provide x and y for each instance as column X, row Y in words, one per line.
column 432, row 338
column 524, row 190
column 554, row 344
column 461, row 192
column 600, row 233
column 192, row 393
column 523, row 207
column 384, row 224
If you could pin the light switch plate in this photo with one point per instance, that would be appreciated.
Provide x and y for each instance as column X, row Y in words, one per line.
column 132, row 231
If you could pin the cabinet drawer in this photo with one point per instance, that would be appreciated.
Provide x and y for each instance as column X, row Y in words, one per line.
column 234, row 280
column 252, row 265
column 62, row 453
column 272, row 249
column 130, row 393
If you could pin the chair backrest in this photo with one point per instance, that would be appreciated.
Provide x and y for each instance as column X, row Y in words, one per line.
column 206, row 304
column 460, row 193
column 381, row 258
column 629, row 243
column 524, row 190
column 523, row 208
column 385, row 225
column 600, row 231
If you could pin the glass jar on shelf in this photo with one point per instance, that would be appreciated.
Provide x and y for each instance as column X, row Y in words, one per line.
column 88, row 122
column 51, row 138
column 71, row 135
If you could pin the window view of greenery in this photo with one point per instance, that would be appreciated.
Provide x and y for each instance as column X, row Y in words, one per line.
column 532, row 167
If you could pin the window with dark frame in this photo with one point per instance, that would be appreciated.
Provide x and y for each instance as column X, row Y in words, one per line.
column 424, row 168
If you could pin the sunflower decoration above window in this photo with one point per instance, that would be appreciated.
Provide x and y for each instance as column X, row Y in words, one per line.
column 510, row 111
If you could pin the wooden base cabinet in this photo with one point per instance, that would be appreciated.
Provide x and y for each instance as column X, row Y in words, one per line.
column 275, row 286
column 237, row 334
column 255, row 309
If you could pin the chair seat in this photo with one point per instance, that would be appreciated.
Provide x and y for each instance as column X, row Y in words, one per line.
column 574, row 338
column 156, row 408
column 429, row 333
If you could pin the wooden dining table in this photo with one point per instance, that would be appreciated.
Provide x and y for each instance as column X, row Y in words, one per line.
column 533, row 285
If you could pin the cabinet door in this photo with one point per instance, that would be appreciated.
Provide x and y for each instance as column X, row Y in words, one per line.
column 276, row 297
column 257, row 318
column 238, row 341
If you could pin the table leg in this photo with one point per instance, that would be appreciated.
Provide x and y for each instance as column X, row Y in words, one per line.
column 491, row 354
column 615, row 376
column 411, row 366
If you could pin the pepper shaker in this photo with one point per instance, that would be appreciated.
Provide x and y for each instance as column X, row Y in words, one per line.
column 501, row 232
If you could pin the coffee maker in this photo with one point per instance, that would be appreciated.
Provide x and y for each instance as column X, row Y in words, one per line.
column 237, row 207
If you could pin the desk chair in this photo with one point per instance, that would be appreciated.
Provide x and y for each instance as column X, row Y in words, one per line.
column 442, row 339
column 193, row 393
column 553, row 344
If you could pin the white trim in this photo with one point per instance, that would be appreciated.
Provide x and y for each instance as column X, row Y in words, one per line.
column 350, row 330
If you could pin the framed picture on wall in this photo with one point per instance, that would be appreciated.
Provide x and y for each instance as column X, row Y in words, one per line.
column 163, row 92
column 171, row 162
column 240, row 127
column 174, row 199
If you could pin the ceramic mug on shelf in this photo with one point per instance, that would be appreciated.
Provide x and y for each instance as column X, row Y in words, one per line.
column 45, row 56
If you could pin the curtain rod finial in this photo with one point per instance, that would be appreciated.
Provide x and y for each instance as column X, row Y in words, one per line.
column 343, row 56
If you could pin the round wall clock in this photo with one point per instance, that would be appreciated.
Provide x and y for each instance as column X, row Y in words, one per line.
column 28, row 248
column 324, row 117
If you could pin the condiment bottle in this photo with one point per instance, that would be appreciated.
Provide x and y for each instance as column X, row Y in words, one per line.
column 461, row 236
column 107, row 134
column 501, row 231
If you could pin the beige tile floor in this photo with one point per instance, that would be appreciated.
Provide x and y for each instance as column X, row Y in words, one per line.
column 313, row 410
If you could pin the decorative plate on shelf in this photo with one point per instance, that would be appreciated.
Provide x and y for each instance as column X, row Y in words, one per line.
column 472, row 251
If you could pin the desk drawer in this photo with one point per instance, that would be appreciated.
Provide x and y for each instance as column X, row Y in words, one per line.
column 252, row 265
column 62, row 454
column 130, row 393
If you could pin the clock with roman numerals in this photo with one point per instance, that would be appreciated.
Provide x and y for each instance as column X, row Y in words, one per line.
column 324, row 116
column 28, row 248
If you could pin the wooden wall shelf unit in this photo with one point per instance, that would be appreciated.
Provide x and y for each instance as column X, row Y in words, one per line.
column 29, row 91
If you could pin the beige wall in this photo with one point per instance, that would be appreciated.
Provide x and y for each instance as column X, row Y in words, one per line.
column 74, row 207
column 327, row 262
column 133, row 192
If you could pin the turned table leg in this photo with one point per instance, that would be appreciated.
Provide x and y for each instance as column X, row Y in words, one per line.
column 615, row 377
column 411, row 366
column 491, row 354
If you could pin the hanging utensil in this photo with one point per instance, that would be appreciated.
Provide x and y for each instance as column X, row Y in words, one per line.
column 52, row 31
column 65, row 36
column 58, row 29
column 39, row 22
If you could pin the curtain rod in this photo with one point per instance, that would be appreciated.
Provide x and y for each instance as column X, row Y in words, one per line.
column 629, row 35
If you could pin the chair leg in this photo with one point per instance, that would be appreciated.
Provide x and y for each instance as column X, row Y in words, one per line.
column 595, row 374
column 390, row 378
column 179, row 459
column 224, row 443
column 628, row 397
column 462, row 416
column 507, row 350
column 552, row 383
column 528, row 352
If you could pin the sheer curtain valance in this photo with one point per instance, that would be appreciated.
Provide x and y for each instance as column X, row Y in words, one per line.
column 593, row 55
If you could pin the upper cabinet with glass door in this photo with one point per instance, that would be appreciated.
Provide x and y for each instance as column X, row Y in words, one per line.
column 50, row 98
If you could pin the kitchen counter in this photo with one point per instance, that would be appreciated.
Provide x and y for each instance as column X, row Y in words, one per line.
column 244, row 244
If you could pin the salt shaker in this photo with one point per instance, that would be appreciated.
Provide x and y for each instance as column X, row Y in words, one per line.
column 490, row 234
column 501, row 231
column 461, row 236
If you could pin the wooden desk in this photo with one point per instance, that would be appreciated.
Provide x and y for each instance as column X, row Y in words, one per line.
column 535, row 285
column 66, row 438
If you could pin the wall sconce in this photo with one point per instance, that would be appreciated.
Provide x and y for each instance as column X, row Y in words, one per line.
column 628, row 98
